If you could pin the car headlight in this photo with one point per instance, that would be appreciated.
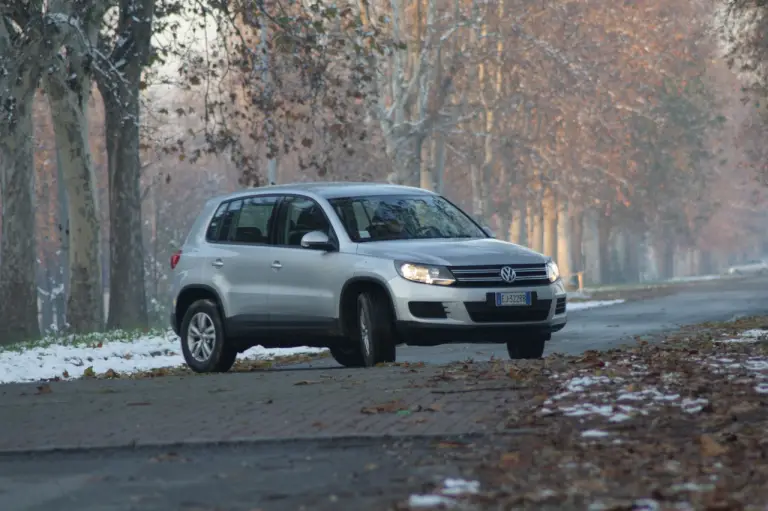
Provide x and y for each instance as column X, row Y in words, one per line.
column 425, row 273
column 553, row 272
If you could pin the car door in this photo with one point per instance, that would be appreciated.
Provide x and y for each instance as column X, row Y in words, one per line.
column 245, row 267
column 305, row 283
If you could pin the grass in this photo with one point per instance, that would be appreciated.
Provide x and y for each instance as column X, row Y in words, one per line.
column 85, row 340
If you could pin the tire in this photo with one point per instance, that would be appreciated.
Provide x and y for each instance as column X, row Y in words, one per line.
column 212, row 354
column 375, row 329
column 348, row 356
column 528, row 348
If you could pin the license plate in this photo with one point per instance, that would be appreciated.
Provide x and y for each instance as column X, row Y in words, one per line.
column 512, row 299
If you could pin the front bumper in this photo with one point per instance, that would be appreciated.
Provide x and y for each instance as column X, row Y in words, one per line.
column 469, row 315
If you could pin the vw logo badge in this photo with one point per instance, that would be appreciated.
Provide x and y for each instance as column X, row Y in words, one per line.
column 508, row 274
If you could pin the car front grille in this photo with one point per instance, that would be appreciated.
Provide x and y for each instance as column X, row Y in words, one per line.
column 560, row 305
column 490, row 276
column 488, row 312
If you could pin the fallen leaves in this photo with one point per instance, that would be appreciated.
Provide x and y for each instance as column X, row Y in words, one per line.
column 308, row 382
column 388, row 407
column 710, row 447
column 169, row 457
column 44, row 389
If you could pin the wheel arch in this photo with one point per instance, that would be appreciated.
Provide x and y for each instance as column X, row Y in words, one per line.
column 348, row 299
column 192, row 293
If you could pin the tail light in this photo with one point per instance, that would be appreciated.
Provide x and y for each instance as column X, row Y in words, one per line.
column 175, row 259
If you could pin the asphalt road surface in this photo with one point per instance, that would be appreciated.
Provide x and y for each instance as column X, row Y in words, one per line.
column 324, row 476
column 321, row 404
column 614, row 325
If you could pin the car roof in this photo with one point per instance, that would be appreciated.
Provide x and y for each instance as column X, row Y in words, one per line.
column 330, row 190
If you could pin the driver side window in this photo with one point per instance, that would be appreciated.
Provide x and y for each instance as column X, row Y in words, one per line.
column 300, row 216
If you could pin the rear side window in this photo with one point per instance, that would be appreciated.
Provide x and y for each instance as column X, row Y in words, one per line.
column 212, row 234
column 254, row 221
column 229, row 219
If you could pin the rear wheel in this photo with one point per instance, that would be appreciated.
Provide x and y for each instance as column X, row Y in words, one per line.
column 348, row 356
column 203, row 342
column 527, row 348
column 375, row 329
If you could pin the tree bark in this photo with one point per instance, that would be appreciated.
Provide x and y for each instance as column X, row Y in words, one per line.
column 604, row 237
column 522, row 226
column 18, row 286
column 549, row 218
column 121, row 96
column 85, row 305
column 564, row 257
column 592, row 253
column 128, row 302
column 577, row 241
column 61, row 290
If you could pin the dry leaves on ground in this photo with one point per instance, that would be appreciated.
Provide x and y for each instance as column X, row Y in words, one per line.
column 678, row 424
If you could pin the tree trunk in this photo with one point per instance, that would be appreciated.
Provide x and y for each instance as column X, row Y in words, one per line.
column 426, row 177
column 535, row 229
column 128, row 302
column 522, row 226
column 665, row 254
column 61, row 290
column 439, row 158
column 18, row 286
column 549, row 217
column 577, row 241
column 604, row 237
column 85, row 305
column 121, row 95
column 592, row 254
column 564, row 257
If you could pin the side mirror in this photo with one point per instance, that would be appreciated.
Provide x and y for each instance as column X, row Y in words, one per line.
column 488, row 231
column 317, row 240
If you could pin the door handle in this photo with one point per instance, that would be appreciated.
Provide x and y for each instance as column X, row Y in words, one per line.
column 276, row 265
column 218, row 263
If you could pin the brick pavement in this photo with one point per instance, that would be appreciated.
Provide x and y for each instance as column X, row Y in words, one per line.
column 268, row 405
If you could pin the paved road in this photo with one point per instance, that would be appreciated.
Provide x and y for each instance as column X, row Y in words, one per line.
column 320, row 404
column 611, row 326
column 359, row 475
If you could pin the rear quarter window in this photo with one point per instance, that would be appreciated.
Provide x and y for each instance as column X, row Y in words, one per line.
column 212, row 233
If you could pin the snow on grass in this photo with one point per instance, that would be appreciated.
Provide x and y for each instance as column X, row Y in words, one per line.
column 748, row 337
column 70, row 357
column 618, row 391
column 445, row 496
column 594, row 433
column 577, row 306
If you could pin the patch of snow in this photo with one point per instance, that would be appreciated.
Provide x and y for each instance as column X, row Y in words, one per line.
column 696, row 278
column 430, row 501
column 460, row 487
column 577, row 306
column 580, row 383
column 140, row 354
column 446, row 495
column 748, row 336
column 693, row 405
column 594, row 433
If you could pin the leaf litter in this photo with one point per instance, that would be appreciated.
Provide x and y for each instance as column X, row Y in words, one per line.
column 674, row 424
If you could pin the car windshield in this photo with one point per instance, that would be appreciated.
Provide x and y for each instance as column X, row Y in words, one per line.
column 387, row 217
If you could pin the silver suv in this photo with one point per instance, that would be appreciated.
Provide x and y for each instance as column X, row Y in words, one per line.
column 356, row 267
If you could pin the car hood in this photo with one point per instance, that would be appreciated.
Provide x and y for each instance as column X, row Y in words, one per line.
column 472, row 252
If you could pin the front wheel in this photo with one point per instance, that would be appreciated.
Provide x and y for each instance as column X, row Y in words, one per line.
column 527, row 348
column 203, row 342
column 375, row 329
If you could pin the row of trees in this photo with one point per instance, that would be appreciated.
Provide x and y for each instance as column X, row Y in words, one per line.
column 593, row 131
